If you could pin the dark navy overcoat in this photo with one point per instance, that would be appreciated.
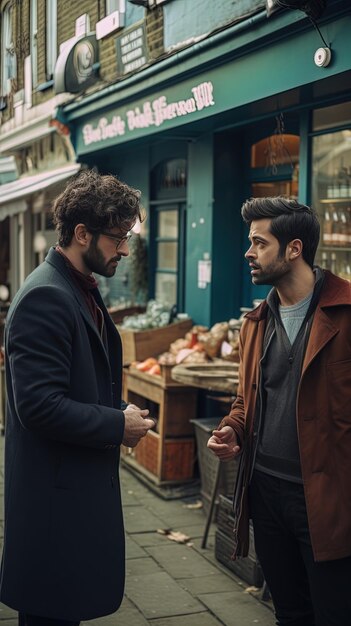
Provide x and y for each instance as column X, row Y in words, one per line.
column 64, row 539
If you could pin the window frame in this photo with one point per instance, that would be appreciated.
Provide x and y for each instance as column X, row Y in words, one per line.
column 33, row 33
column 51, row 38
column 114, row 5
column 8, row 53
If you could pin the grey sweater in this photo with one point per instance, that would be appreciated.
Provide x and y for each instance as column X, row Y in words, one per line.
column 278, row 448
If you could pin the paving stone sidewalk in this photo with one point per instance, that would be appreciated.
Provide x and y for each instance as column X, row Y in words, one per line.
column 168, row 583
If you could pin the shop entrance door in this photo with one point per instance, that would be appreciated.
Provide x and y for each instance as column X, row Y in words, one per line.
column 167, row 232
column 168, row 251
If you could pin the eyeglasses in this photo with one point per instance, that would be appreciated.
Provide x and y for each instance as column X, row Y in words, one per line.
column 118, row 240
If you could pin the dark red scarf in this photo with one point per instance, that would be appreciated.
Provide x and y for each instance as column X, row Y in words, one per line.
column 85, row 283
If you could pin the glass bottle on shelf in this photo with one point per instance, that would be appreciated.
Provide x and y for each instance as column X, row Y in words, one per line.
column 344, row 186
column 343, row 229
column 333, row 263
column 348, row 225
column 327, row 228
column 335, row 235
column 345, row 270
column 324, row 261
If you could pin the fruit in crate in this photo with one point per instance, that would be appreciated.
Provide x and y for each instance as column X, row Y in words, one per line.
column 155, row 370
column 213, row 339
column 149, row 366
column 167, row 358
column 146, row 365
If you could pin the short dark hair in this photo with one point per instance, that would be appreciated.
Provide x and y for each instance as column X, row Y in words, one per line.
column 290, row 220
column 101, row 202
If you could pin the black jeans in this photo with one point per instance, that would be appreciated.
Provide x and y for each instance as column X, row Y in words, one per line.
column 33, row 620
column 304, row 593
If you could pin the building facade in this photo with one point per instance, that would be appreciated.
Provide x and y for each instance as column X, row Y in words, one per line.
column 201, row 105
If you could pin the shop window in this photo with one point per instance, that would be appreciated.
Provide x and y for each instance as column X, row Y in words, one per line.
column 168, row 176
column 275, row 164
column 329, row 117
column 274, row 151
column 331, row 196
column 168, row 183
column 8, row 55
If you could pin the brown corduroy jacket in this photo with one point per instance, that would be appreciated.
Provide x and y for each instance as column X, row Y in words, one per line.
column 323, row 415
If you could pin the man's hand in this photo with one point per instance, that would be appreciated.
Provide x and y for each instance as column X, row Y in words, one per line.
column 136, row 425
column 224, row 443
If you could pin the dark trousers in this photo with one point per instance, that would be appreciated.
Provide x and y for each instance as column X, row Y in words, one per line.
column 33, row 620
column 304, row 593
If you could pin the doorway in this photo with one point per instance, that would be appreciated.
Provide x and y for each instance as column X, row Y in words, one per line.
column 167, row 231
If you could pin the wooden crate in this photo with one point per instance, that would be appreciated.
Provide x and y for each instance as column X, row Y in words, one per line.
column 171, row 460
column 138, row 345
column 171, row 403
column 118, row 315
column 209, row 463
column 248, row 568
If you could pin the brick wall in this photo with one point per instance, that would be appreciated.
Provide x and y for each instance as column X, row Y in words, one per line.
column 154, row 32
column 68, row 12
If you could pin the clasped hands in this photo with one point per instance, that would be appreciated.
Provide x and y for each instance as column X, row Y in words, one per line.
column 136, row 425
column 224, row 443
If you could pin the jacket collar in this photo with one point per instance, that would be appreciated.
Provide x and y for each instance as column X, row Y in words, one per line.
column 58, row 261
column 258, row 314
column 336, row 291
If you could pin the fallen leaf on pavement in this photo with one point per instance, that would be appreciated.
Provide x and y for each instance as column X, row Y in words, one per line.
column 173, row 535
column 194, row 505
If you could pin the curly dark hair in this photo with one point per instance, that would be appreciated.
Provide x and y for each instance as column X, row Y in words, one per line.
column 101, row 202
column 290, row 220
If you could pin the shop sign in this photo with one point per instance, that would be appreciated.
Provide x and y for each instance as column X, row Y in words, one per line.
column 132, row 51
column 150, row 113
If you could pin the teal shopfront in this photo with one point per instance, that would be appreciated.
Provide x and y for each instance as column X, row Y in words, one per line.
column 245, row 112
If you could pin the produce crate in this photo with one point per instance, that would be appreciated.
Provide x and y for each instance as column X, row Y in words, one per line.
column 172, row 404
column 247, row 568
column 208, row 464
column 172, row 462
column 118, row 315
column 138, row 345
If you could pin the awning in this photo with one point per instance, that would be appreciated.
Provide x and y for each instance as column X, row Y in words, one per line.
column 13, row 195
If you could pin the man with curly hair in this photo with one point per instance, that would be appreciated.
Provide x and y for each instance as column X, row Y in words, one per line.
column 63, row 558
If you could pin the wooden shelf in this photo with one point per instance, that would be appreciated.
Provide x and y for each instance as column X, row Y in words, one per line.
column 334, row 200
column 334, row 248
column 169, row 453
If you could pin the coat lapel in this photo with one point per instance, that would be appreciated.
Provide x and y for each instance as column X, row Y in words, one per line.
column 322, row 331
column 55, row 259
column 335, row 292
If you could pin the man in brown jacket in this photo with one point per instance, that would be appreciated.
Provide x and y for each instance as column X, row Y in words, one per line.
column 291, row 421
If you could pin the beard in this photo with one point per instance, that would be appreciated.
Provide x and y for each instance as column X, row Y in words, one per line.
column 272, row 273
column 96, row 262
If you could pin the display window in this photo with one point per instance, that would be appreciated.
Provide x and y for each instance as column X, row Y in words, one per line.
column 331, row 187
column 275, row 164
